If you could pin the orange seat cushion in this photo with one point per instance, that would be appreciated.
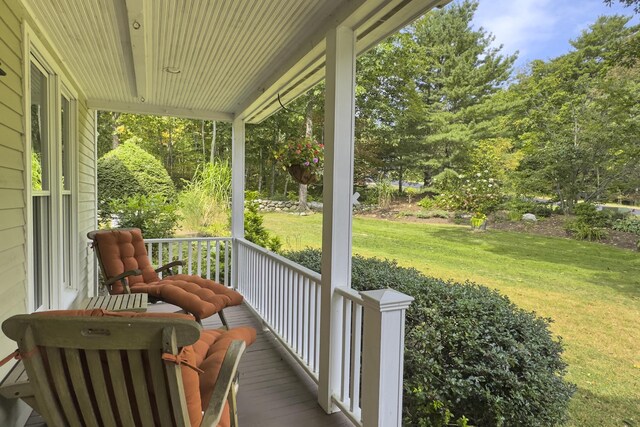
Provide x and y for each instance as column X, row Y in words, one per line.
column 198, row 301
column 235, row 297
column 122, row 250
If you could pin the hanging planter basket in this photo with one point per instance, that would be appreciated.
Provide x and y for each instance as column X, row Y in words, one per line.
column 302, row 174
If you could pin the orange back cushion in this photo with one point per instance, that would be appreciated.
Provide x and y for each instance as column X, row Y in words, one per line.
column 123, row 250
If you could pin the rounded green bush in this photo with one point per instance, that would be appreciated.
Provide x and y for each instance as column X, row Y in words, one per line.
column 469, row 351
column 131, row 171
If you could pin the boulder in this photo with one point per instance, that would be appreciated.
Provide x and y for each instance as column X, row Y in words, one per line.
column 529, row 217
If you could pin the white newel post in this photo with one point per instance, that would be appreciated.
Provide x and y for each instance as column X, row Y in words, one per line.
column 237, row 194
column 338, row 188
column 383, row 357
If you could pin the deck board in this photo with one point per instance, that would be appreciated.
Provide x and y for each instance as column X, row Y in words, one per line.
column 274, row 390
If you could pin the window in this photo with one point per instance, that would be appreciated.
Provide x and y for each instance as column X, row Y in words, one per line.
column 52, row 112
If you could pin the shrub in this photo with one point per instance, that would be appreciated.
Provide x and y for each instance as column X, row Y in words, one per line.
column 205, row 201
column 477, row 192
column 469, row 351
column 589, row 214
column 629, row 224
column 583, row 231
column 384, row 193
column 151, row 214
column 590, row 223
column 254, row 230
column 519, row 207
column 129, row 171
column 427, row 203
column 411, row 193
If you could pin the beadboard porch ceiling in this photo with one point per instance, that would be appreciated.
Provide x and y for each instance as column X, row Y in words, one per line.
column 209, row 59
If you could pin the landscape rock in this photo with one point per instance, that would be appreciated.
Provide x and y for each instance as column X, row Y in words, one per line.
column 529, row 217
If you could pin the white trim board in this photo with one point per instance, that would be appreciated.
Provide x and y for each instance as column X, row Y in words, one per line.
column 158, row 110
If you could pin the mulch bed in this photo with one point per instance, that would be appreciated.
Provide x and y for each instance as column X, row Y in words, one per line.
column 552, row 226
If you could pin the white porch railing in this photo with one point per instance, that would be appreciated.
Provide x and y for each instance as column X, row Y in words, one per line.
column 348, row 397
column 286, row 296
column 370, row 326
column 208, row 257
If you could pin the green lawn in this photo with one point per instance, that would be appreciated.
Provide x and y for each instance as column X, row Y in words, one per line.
column 591, row 291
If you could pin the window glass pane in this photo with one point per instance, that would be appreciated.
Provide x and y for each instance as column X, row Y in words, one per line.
column 40, row 249
column 39, row 131
column 64, row 137
column 66, row 240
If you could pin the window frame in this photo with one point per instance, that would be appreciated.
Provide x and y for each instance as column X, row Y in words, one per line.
column 58, row 294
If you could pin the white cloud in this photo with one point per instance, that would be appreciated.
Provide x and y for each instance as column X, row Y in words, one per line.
column 518, row 25
column 540, row 29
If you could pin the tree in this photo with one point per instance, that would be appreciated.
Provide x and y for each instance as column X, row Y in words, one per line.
column 461, row 71
column 577, row 127
column 416, row 91
column 180, row 144
column 626, row 3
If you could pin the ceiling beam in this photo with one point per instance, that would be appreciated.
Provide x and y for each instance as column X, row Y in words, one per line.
column 140, row 46
column 158, row 110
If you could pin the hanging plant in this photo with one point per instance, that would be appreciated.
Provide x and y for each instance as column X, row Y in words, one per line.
column 302, row 158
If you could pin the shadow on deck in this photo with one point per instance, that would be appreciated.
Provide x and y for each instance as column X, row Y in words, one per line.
column 274, row 391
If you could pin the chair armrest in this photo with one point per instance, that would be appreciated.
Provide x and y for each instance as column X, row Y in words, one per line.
column 122, row 276
column 169, row 266
column 224, row 383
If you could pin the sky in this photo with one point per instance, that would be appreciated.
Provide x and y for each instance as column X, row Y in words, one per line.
column 541, row 29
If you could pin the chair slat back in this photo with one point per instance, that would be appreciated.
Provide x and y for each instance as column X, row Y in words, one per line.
column 88, row 373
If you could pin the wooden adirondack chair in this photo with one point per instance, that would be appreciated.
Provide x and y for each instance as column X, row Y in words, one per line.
column 125, row 265
column 124, row 371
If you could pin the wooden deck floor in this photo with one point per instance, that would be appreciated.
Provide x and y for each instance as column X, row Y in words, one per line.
column 273, row 390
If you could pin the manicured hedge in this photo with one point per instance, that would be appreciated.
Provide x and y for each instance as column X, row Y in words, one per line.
column 131, row 171
column 469, row 351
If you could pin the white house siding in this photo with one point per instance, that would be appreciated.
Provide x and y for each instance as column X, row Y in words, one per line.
column 85, row 159
column 13, row 196
column 12, row 180
column 13, row 299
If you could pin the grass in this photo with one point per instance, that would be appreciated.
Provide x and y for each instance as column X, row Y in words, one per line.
column 591, row 291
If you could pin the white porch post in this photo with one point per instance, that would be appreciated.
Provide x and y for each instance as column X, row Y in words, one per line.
column 237, row 193
column 383, row 357
column 338, row 188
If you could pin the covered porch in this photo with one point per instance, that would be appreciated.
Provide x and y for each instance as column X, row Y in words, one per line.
column 232, row 62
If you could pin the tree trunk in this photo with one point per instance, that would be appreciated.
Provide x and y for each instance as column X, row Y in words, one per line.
column 286, row 185
column 260, row 172
column 170, row 156
column 302, row 197
column 272, row 188
column 400, row 178
column 302, row 189
column 115, row 138
column 213, row 143
column 202, row 139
